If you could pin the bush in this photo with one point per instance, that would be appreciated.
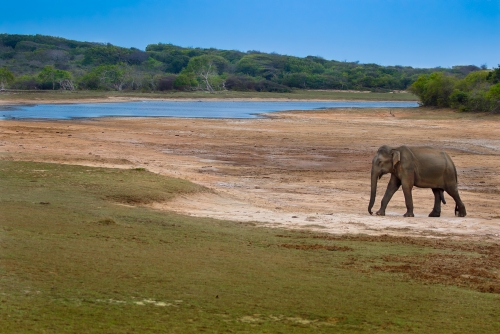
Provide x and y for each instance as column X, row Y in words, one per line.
column 493, row 95
column 494, row 76
column 434, row 89
column 6, row 77
column 185, row 81
column 166, row 82
column 494, row 92
column 25, row 82
column 269, row 86
column 478, row 101
column 473, row 93
column 459, row 99
column 240, row 83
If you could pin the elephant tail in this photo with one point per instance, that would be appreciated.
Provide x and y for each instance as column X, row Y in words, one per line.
column 441, row 194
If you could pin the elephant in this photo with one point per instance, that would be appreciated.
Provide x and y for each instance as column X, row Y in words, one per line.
column 422, row 167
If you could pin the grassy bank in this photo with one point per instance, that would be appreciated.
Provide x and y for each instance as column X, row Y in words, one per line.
column 81, row 252
column 296, row 95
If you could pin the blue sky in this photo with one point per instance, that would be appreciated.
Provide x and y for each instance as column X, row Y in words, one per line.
column 418, row 33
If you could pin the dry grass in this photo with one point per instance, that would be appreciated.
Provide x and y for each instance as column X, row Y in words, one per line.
column 316, row 247
column 472, row 265
column 461, row 270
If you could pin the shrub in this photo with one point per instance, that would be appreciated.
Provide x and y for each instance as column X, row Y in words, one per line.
column 6, row 77
column 493, row 95
column 494, row 76
column 474, row 80
column 269, row 86
column 166, row 82
column 26, row 82
column 434, row 89
column 185, row 81
column 240, row 83
column 478, row 101
column 459, row 99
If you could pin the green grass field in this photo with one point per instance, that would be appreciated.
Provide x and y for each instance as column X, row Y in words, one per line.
column 296, row 94
column 81, row 252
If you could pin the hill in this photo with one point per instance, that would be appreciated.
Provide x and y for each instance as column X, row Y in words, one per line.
column 46, row 62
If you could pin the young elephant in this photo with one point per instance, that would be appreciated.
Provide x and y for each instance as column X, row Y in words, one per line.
column 422, row 167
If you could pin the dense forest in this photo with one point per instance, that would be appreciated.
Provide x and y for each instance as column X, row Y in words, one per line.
column 30, row 62
column 478, row 91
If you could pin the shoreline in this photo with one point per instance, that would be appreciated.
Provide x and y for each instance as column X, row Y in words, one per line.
column 79, row 97
column 285, row 105
column 25, row 102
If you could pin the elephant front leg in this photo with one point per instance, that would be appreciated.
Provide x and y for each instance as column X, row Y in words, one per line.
column 407, row 188
column 392, row 187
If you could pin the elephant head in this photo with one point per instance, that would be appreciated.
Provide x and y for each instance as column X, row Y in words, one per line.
column 383, row 163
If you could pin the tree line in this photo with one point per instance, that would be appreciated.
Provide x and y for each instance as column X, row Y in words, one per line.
column 478, row 91
column 46, row 62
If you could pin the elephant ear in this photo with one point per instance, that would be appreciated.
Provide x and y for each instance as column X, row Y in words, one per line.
column 396, row 157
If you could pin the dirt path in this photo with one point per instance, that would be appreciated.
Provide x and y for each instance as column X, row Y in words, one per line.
column 294, row 169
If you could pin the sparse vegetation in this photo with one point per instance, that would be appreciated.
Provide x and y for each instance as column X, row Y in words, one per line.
column 83, row 262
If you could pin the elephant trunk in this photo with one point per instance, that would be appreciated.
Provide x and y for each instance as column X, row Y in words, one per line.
column 373, row 192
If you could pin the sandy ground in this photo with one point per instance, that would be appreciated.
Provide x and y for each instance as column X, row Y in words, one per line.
column 302, row 170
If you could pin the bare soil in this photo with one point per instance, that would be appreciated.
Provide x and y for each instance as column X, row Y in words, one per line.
column 299, row 170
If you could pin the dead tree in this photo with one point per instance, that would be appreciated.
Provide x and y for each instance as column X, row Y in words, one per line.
column 207, row 74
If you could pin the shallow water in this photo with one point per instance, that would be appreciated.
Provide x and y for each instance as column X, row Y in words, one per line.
column 188, row 109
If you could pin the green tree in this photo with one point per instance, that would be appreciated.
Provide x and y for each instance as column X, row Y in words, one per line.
column 51, row 75
column 106, row 55
column 185, row 81
column 494, row 92
column 153, row 64
column 459, row 100
column 474, row 80
column 494, row 76
column 493, row 96
column 434, row 89
column 48, row 74
column 261, row 65
column 22, row 54
column 6, row 77
column 207, row 70
column 106, row 77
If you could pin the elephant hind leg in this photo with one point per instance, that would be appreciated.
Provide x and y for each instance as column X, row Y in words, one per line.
column 438, row 198
column 459, row 205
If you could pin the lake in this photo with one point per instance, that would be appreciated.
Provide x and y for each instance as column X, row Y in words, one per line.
column 188, row 109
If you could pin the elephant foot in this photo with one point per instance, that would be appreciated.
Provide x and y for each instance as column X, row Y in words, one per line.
column 380, row 213
column 409, row 214
column 460, row 212
column 435, row 213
